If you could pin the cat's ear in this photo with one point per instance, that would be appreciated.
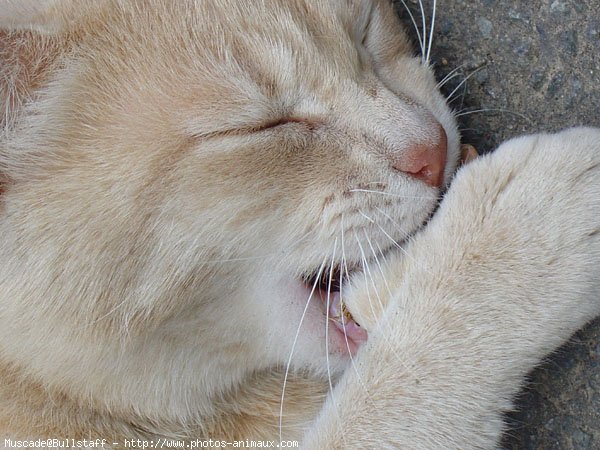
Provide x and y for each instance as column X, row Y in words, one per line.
column 46, row 16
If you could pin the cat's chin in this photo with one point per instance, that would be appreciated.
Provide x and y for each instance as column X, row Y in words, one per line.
column 309, row 312
column 297, row 330
column 310, row 326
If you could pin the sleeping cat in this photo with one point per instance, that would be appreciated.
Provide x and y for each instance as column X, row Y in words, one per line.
column 210, row 219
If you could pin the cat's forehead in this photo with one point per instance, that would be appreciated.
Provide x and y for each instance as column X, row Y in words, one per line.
column 272, row 40
column 314, row 16
column 277, row 41
column 232, row 55
column 227, row 63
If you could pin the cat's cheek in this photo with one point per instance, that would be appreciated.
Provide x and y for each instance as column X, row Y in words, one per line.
column 298, row 331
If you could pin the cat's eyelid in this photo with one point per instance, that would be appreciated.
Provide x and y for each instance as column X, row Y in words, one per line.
column 309, row 123
column 273, row 124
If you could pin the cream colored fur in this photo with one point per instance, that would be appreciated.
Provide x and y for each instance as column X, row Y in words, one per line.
column 169, row 171
column 504, row 273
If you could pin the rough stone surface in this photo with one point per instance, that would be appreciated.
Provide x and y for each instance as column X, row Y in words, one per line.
column 531, row 66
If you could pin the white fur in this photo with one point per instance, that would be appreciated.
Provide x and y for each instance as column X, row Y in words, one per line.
column 505, row 272
column 155, row 230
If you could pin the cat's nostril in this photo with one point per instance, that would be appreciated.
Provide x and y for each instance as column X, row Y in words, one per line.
column 425, row 161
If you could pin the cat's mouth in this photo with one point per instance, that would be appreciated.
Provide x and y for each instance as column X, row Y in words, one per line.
column 326, row 285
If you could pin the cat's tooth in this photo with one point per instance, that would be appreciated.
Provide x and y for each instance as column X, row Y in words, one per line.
column 343, row 320
column 346, row 314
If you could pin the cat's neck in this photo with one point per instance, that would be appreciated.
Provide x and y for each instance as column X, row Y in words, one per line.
column 251, row 411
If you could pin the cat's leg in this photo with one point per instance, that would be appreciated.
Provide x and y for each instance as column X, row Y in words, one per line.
column 505, row 272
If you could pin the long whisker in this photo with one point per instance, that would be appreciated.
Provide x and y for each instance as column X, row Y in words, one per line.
column 453, row 73
column 345, row 269
column 394, row 241
column 289, row 362
column 391, row 194
column 385, row 283
column 431, row 30
column 387, row 325
column 327, row 316
column 508, row 111
column 366, row 217
column 424, row 29
column 381, row 305
column 385, row 335
column 327, row 331
column 449, row 97
column 366, row 271
column 277, row 254
column 156, row 251
column 396, row 244
column 414, row 22
column 405, row 234
column 465, row 129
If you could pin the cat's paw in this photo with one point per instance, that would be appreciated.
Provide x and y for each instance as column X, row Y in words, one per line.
column 526, row 225
column 505, row 271
column 525, row 217
column 542, row 191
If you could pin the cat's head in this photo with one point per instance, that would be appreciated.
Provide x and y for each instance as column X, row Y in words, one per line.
column 185, row 169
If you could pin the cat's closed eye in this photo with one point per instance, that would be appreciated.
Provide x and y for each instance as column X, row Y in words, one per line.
column 308, row 123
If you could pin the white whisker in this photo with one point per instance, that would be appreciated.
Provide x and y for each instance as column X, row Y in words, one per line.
column 391, row 194
column 289, row 362
column 386, row 324
column 345, row 269
column 383, row 334
column 366, row 271
column 449, row 97
column 405, row 234
column 453, row 73
column 414, row 22
column 396, row 244
column 424, row 29
column 463, row 130
column 277, row 254
column 381, row 306
column 327, row 332
column 366, row 217
column 431, row 30
column 327, row 316
column 378, row 263
column 466, row 113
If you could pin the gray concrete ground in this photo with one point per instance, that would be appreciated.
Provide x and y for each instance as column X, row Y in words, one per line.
column 534, row 66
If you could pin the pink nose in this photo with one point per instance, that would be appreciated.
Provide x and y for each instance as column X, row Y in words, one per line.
column 425, row 161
